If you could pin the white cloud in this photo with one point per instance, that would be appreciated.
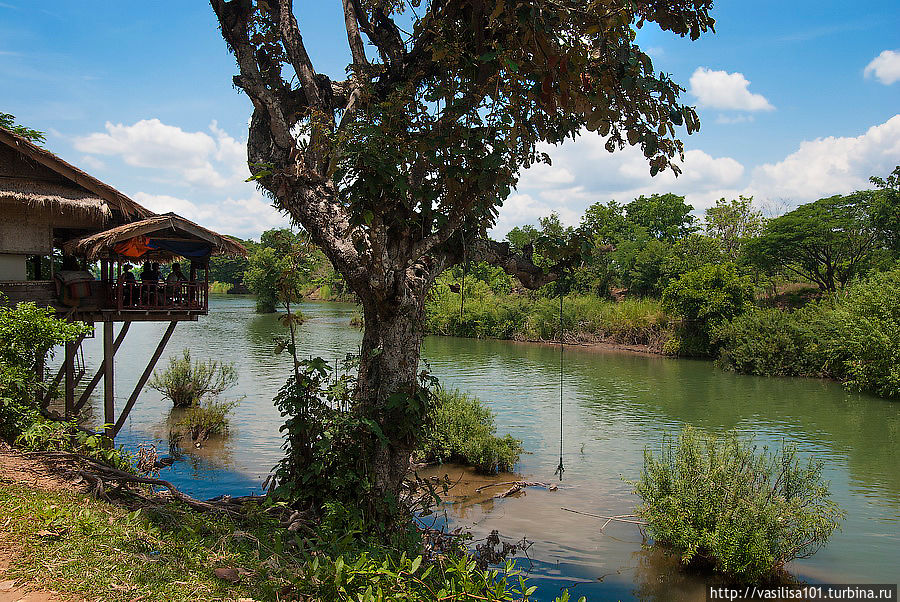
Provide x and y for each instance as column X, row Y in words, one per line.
column 726, row 91
column 831, row 165
column 583, row 172
column 885, row 67
column 92, row 162
column 729, row 119
column 195, row 158
column 818, row 168
column 244, row 217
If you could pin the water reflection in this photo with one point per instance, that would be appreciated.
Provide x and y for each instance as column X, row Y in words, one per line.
column 615, row 405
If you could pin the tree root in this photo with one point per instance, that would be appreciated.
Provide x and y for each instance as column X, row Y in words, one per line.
column 99, row 475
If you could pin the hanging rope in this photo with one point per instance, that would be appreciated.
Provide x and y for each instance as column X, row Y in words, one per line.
column 462, row 288
column 560, row 469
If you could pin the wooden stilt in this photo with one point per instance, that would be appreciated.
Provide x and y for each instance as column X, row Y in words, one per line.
column 69, row 365
column 53, row 384
column 144, row 378
column 39, row 373
column 109, row 400
column 85, row 395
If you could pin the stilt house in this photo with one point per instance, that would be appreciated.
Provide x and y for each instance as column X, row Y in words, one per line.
column 67, row 241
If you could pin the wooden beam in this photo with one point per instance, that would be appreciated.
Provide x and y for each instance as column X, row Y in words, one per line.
column 144, row 378
column 109, row 400
column 85, row 395
column 55, row 383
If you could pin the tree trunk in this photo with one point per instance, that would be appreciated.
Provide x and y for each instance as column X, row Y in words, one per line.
column 388, row 379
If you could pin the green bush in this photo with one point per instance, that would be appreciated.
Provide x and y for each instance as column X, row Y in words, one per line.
column 210, row 417
column 705, row 298
column 774, row 342
column 868, row 320
column 188, row 383
column 28, row 335
column 52, row 435
column 723, row 504
column 853, row 336
column 463, row 431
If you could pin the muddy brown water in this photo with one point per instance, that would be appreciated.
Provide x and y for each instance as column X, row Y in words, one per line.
column 615, row 404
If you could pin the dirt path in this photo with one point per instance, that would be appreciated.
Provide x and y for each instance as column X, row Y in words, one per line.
column 18, row 468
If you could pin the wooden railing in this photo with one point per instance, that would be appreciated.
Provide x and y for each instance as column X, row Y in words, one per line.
column 181, row 296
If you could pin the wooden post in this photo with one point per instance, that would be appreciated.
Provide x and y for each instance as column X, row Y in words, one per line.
column 144, row 378
column 69, row 363
column 39, row 369
column 85, row 395
column 109, row 400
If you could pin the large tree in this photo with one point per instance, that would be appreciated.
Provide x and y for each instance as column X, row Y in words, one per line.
column 398, row 170
column 828, row 242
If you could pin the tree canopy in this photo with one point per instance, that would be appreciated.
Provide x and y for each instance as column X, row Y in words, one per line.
column 827, row 242
column 398, row 170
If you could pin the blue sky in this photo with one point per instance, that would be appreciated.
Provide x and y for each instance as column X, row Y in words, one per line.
column 798, row 100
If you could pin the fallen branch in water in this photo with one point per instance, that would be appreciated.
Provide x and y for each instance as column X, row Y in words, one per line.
column 517, row 486
column 622, row 518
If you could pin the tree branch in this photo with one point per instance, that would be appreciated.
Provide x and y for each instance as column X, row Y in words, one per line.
column 357, row 50
column 289, row 31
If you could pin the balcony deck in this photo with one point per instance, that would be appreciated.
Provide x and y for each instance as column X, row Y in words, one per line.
column 111, row 302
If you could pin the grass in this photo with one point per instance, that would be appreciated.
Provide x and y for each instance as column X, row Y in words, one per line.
column 74, row 543
column 586, row 318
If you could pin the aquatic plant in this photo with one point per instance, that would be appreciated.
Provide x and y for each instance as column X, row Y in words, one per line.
column 463, row 431
column 210, row 417
column 722, row 503
column 188, row 383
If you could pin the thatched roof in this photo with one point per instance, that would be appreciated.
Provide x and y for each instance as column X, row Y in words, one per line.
column 65, row 200
column 102, row 244
column 114, row 199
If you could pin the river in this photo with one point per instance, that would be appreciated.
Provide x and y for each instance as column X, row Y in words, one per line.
column 614, row 405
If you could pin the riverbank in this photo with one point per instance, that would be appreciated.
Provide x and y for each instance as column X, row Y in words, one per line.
column 59, row 543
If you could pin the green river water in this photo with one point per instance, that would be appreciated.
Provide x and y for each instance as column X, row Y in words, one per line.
column 615, row 405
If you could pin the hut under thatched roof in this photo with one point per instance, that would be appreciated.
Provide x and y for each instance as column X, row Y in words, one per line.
column 35, row 175
column 163, row 238
column 45, row 200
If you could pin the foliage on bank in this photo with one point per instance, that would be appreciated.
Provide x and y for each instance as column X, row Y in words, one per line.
column 168, row 552
column 723, row 504
column 28, row 337
column 485, row 313
column 853, row 336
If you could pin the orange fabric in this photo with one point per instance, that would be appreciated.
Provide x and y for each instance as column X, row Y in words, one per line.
column 133, row 247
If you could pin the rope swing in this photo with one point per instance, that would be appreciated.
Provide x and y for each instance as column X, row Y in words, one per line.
column 560, row 469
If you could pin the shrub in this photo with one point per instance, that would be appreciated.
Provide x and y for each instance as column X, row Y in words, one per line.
column 718, row 502
column 208, row 418
column 868, row 320
column 28, row 335
column 774, row 342
column 187, row 383
column 463, row 431
column 51, row 435
column 705, row 298
column 520, row 317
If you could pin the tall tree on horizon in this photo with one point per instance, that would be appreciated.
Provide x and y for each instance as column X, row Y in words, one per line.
column 398, row 171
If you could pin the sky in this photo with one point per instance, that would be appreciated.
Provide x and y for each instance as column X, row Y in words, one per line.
column 798, row 100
